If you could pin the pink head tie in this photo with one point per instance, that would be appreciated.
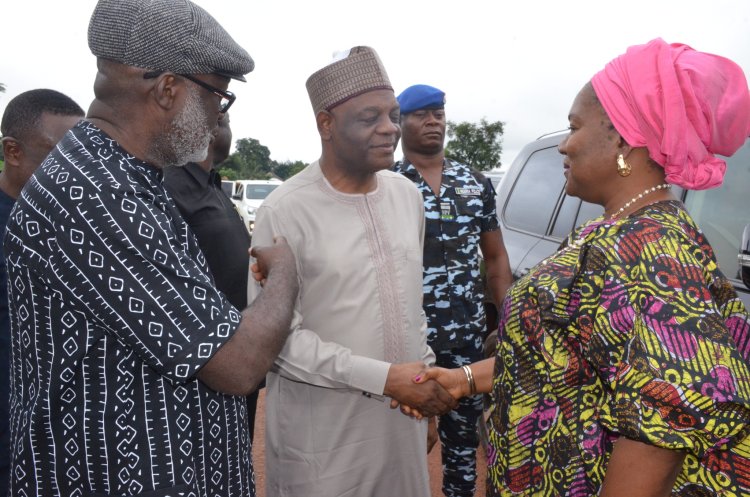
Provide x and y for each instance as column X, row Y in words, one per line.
column 681, row 104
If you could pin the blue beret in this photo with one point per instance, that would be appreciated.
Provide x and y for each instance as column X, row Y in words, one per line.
column 421, row 97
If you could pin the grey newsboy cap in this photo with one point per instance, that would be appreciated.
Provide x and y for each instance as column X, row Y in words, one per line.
column 168, row 35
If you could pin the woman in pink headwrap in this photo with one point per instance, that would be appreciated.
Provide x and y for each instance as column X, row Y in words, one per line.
column 623, row 360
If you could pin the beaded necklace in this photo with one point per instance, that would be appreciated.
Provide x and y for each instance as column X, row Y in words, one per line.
column 647, row 191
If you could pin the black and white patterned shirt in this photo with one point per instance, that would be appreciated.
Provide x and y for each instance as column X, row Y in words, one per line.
column 113, row 312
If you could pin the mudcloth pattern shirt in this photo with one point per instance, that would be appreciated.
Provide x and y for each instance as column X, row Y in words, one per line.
column 637, row 333
column 455, row 219
column 6, row 204
column 113, row 313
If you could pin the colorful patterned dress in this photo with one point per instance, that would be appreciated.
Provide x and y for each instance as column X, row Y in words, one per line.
column 635, row 333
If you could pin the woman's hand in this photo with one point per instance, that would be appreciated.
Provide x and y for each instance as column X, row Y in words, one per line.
column 453, row 380
column 446, row 378
column 426, row 398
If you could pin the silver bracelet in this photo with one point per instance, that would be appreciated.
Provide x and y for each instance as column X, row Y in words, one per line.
column 470, row 379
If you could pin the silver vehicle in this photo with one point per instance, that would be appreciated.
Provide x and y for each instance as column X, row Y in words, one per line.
column 495, row 175
column 536, row 215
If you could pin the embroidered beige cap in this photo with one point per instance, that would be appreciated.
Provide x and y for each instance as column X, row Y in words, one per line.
column 358, row 71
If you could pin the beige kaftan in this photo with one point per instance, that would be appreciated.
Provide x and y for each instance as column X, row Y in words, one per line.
column 329, row 432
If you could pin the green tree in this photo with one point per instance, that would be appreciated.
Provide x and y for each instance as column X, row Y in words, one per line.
column 287, row 169
column 477, row 145
column 251, row 160
column 226, row 172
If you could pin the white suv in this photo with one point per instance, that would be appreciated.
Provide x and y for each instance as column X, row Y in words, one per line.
column 248, row 195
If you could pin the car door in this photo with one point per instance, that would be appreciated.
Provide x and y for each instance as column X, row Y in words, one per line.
column 722, row 214
column 534, row 211
column 536, row 214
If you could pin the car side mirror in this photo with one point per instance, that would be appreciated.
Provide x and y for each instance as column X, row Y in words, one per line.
column 744, row 256
column 237, row 196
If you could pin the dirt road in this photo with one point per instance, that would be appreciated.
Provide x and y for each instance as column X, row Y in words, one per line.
column 433, row 459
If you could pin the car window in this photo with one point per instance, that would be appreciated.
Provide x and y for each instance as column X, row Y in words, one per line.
column 587, row 212
column 535, row 192
column 258, row 192
column 722, row 213
column 494, row 176
column 227, row 187
column 573, row 213
column 566, row 217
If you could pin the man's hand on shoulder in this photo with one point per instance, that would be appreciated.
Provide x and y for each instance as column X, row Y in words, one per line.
column 241, row 364
column 276, row 258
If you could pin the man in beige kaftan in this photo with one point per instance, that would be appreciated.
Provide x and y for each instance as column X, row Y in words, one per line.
column 358, row 338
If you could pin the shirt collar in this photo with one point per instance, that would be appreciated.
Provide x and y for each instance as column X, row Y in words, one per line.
column 87, row 128
column 449, row 168
column 407, row 168
column 201, row 176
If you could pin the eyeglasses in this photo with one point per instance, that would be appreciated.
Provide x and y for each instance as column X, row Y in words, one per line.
column 227, row 97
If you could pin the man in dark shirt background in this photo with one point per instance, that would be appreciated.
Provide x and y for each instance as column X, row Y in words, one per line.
column 213, row 218
column 33, row 122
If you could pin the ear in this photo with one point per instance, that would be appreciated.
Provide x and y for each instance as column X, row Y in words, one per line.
column 166, row 90
column 623, row 147
column 12, row 151
column 324, row 119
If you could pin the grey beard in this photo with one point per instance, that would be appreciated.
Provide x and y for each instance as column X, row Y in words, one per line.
column 187, row 138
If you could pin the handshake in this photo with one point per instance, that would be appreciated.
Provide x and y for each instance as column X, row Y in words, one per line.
column 420, row 391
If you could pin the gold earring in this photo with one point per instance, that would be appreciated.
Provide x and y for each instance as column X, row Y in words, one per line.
column 623, row 168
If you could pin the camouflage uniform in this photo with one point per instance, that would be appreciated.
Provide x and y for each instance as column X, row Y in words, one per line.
column 453, row 300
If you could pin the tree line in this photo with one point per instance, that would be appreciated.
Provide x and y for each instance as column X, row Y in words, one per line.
column 252, row 160
column 476, row 144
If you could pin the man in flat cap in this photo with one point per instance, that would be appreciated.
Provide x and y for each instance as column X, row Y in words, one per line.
column 358, row 337
column 461, row 219
column 129, row 366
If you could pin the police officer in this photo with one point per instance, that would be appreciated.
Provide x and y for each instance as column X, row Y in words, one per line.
column 461, row 218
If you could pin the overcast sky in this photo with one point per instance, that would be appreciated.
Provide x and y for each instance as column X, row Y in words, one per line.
column 520, row 62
